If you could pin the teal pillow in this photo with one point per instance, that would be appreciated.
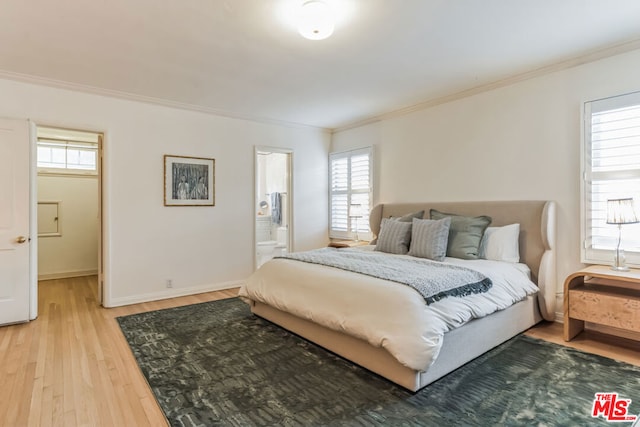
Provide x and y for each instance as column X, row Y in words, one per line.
column 465, row 234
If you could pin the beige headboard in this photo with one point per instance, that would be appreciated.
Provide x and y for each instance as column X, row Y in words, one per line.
column 537, row 221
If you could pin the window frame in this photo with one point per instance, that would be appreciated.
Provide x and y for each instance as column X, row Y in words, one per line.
column 350, row 234
column 588, row 253
column 67, row 143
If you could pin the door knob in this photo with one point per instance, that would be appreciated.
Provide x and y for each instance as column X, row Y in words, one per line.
column 21, row 239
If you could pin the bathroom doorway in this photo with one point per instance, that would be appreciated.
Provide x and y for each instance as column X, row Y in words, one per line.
column 272, row 203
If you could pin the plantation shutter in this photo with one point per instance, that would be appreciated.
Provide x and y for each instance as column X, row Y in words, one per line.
column 611, row 165
column 350, row 194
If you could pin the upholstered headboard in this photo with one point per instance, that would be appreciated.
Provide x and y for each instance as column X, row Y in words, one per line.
column 537, row 221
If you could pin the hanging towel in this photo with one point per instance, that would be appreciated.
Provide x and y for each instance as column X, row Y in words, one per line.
column 276, row 208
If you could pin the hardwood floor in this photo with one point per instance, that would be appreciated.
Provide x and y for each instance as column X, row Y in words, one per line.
column 72, row 366
column 622, row 349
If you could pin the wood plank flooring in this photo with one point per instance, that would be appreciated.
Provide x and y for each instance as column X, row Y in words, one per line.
column 622, row 349
column 73, row 367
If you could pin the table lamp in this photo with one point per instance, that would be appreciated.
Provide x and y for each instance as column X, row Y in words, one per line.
column 356, row 212
column 620, row 211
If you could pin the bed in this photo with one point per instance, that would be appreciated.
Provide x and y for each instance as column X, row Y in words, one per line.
column 301, row 297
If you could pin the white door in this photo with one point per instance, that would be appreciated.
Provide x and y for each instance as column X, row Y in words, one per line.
column 14, row 220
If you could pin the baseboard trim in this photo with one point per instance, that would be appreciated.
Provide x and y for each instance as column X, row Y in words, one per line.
column 67, row 275
column 171, row 293
column 560, row 307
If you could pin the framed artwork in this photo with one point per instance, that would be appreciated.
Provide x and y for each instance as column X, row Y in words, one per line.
column 189, row 181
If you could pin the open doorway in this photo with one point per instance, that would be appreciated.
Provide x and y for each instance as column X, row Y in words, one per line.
column 69, row 208
column 272, row 203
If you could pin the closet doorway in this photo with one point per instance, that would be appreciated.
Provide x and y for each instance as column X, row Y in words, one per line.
column 69, row 206
column 273, row 197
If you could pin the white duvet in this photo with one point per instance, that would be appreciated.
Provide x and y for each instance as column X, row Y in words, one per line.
column 385, row 314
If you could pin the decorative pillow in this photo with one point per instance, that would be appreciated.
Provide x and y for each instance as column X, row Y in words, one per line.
column 465, row 234
column 429, row 238
column 501, row 243
column 394, row 237
column 409, row 217
column 405, row 218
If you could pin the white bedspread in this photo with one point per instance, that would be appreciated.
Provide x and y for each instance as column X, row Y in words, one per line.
column 383, row 313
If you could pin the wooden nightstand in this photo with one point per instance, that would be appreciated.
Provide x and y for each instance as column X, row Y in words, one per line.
column 600, row 295
column 347, row 243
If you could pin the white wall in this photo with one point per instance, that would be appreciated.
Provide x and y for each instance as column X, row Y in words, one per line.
column 513, row 143
column 199, row 248
column 75, row 252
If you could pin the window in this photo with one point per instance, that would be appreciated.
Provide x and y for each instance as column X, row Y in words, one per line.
column 611, row 170
column 66, row 156
column 350, row 194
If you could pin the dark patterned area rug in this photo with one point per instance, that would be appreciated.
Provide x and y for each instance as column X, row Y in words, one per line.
column 215, row 364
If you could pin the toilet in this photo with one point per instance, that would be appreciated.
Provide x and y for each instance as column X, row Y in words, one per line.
column 265, row 247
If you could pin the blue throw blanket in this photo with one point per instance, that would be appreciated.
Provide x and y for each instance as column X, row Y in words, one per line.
column 433, row 280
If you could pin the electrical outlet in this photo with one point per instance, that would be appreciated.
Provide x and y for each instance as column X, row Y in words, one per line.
column 169, row 283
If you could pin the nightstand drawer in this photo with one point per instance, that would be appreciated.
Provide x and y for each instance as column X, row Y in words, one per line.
column 600, row 295
column 615, row 307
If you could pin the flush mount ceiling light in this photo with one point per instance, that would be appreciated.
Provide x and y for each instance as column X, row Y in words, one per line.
column 316, row 20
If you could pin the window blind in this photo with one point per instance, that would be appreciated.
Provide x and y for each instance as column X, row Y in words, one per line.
column 350, row 194
column 611, row 170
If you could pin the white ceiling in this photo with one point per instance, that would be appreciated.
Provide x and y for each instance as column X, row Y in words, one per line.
column 244, row 58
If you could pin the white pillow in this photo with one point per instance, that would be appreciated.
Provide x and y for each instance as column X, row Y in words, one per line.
column 501, row 243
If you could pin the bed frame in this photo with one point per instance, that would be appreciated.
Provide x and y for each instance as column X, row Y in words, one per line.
column 537, row 250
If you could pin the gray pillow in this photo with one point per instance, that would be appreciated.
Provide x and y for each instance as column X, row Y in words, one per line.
column 465, row 234
column 405, row 218
column 394, row 237
column 429, row 238
column 409, row 217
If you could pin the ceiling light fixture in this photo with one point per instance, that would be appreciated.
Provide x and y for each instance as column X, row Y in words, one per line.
column 316, row 20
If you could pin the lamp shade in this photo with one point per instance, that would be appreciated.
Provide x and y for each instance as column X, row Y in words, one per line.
column 316, row 20
column 358, row 210
column 621, row 211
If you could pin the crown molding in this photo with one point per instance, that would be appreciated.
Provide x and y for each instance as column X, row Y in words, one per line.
column 93, row 90
column 591, row 56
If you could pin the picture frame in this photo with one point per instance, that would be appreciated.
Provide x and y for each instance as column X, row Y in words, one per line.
column 189, row 181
